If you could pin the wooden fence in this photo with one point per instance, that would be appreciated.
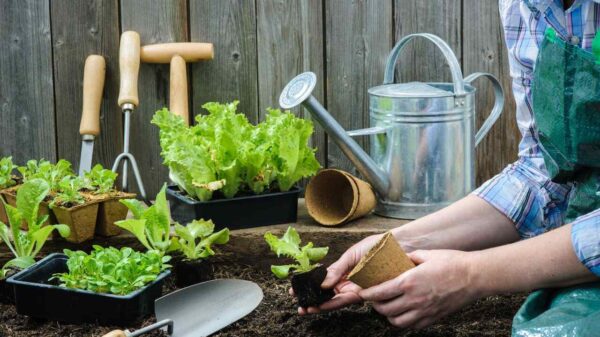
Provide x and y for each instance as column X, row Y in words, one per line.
column 259, row 46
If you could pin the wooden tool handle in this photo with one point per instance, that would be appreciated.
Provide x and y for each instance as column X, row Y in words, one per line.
column 115, row 333
column 93, row 84
column 129, row 67
column 178, row 89
column 190, row 51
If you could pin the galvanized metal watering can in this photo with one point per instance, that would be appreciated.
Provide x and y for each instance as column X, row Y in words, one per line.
column 422, row 135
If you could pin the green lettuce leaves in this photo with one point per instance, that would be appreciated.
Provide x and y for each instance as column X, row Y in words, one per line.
column 224, row 152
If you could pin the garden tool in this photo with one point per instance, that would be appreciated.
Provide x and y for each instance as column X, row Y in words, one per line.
column 93, row 84
column 178, row 89
column 129, row 66
column 422, row 143
column 201, row 309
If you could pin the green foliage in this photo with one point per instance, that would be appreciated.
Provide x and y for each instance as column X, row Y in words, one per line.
column 289, row 245
column 100, row 180
column 110, row 270
column 194, row 241
column 53, row 174
column 6, row 169
column 224, row 152
column 151, row 226
column 68, row 193
column 25, row 245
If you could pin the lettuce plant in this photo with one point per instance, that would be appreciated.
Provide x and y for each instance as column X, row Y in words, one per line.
column 150, row 225
column 194, row 241
column 25, row 245
column 53, row 174
column 100, row 180
column 110, row 270
column 224, row 152
column 68, row 193
column 289, row 246
column 6, row 169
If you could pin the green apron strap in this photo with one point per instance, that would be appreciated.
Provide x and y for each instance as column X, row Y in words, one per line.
column 596, row 46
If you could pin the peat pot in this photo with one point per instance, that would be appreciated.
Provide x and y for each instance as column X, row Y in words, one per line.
column 422, row 135
column 238, row 212
column 110, row 210
column 37, row 297
column 81, row 219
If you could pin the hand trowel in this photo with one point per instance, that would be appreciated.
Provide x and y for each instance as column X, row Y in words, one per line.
column 201, row 309
column 93, row 85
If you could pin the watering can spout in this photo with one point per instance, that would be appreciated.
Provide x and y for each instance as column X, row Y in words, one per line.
column 298, row 91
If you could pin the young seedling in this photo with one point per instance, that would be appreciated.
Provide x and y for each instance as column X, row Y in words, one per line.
column 69, row 192
column 100, row 180
column 53, row 174
column 192, row 244
column 6, row 168
column 25, row 245
column 307, row 275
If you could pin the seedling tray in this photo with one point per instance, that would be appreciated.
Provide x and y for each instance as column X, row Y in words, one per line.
column 37, row 297
column 239, row 212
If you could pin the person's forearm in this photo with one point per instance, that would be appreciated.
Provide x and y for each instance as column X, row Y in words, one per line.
column 545, row 261
column 469, row 224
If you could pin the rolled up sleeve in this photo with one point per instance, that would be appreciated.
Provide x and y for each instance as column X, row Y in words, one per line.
column 585, row 236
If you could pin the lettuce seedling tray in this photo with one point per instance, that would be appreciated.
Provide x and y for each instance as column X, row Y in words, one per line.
column 37, row 297
column 239, row 212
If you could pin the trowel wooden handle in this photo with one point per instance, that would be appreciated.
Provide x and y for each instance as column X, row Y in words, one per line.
column 115, row 333
column 190, row 51
column 178, row 89
column 93, row 85
column 129, row 67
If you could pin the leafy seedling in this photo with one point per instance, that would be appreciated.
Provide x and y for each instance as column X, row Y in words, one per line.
column 307, row 274
column 111, row 270
column 6, row 169
column 69, row 192
column 25, row 245
column 150, row 225
column 100, row 180
column 53, row 174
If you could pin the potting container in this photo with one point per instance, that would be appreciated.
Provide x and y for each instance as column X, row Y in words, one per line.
column 307, row 287
column 81, row 219
column 7, row 292
column 188, row 273
column 3, row 216
column 37, row 297
column 11, row 198
column 110, row 211
column 239, row 212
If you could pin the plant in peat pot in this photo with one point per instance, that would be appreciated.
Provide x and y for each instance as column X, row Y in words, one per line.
column 307, row 275
column 6, row 180
column 25, row 245
column 111, row 270
column 193, row 244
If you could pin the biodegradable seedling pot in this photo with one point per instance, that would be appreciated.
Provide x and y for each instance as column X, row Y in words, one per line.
column 188, row 273
column 335, row 197
column 11, row 198
column 81, row 219
column 110, row 210
column 307, row 287
column 236, row 213
column 3, row 216
column 385, row 261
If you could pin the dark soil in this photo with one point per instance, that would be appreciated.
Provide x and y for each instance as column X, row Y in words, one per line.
column 277, row 316
column 191, row 272
column 307, row 287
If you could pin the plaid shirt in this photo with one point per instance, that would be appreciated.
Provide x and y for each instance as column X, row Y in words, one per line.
column 523, row 191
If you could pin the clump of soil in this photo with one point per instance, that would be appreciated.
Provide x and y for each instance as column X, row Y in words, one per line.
column 277, row 316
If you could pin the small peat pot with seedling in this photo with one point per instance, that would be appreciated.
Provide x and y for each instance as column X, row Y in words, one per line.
column 107, row 286
column 7, row 179
column 307, row 275
column 232, row 172
column 25, row 244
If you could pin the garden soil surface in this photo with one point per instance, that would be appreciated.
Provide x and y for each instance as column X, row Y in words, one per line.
column 277, row 316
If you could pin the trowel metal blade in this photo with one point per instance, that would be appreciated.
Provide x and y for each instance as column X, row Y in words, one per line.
column 87, row 153
column 205, row 308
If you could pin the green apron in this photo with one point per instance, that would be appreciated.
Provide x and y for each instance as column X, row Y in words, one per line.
column 566, row 103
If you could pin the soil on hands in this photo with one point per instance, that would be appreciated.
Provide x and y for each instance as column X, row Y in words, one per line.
column 277, row 316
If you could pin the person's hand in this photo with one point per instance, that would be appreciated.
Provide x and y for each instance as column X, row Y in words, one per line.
column 346, row 291
column 442, row 283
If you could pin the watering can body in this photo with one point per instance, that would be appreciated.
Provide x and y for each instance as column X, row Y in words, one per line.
column 422, row 135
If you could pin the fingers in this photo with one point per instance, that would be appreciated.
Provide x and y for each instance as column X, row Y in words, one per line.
column 405, row 320
column 419, row 256
column 340, row 301
column 339, row 269
column 385, row 291
column 393, row 307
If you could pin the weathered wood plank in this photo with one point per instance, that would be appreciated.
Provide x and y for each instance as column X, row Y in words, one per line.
column 231, row 26
column 90, row 29
column 359, row 38
column 156, row 21
column 484, row 50
column 421, row 60
column 27, row 128
column 290, row 41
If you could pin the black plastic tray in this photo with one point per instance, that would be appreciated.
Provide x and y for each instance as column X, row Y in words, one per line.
column 35, row 296
column 239, row 212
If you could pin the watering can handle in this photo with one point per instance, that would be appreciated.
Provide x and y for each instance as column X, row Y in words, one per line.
column 498, row 104
column 457, row 77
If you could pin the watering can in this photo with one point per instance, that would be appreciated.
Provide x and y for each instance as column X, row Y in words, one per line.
column 422, row 139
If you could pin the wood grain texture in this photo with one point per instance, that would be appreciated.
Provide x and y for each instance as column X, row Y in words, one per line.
column 290, row 41
column 90, row 29
column 156, row 21
column 359, row 35
column 231, row 26
column 27, row 128
column 484, row 50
